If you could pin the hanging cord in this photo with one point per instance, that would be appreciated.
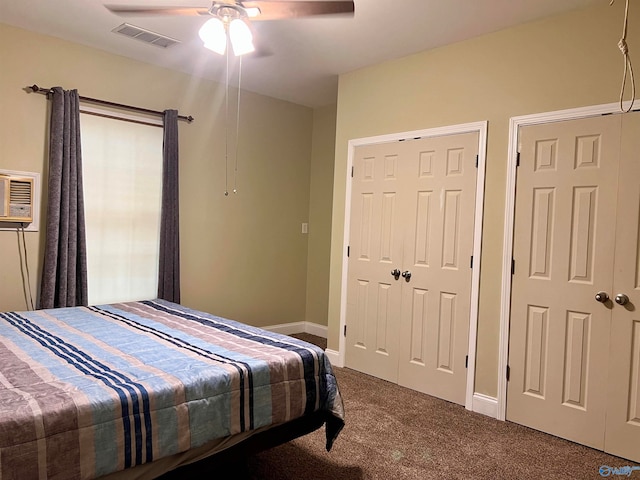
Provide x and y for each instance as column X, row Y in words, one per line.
column 226, row 127
column 25, row 267
column 628, row 67
column 235, row 173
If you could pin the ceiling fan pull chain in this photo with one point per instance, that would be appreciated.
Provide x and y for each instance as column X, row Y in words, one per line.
column 226, row 127
column 235, row 173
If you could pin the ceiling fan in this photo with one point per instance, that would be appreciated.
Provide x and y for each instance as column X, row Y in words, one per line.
column 257, row 9
column 232, row 17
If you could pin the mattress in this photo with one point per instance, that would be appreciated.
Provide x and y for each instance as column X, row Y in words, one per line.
column 89, row 391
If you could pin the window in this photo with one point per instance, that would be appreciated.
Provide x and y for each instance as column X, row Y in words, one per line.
column 122, row 168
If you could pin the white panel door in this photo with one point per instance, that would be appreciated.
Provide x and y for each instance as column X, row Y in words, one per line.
column 574, row 350
column 412, row 213
column 438, row 245
column 623, row 391
column 373, row 293
column 563, row 252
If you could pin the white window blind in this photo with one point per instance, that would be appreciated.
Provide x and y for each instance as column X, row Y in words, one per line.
column 122, row 167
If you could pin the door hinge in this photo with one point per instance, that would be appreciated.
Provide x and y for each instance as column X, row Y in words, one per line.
column 517, row 159
column 508, row 372
column 471, row 261
column 345, row 331
column 477, row 160
column 352, row 172
column 513, row 266
column 466, row 361
column 348, row 250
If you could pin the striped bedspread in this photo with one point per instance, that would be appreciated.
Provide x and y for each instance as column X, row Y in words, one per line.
column 87, row 391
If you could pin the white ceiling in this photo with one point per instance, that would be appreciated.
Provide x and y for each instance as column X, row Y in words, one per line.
column 306, row 55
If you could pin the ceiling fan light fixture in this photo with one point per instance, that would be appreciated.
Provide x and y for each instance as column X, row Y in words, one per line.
column 241, row 37
column 252, row 12
column 214, row 36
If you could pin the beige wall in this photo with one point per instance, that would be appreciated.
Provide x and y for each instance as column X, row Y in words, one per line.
column 244, row 256
column 563, row 62
column 320, row 198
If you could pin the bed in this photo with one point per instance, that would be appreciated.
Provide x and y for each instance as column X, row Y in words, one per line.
column 132, row 390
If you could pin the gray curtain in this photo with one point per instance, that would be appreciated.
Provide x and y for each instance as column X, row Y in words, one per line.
column 169, row 274
column 64, row 275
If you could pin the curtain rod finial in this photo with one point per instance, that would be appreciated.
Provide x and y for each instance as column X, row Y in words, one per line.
column 36, row 89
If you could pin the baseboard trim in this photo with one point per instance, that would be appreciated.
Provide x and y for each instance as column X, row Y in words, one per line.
column 334, row 358
column 286, row 328
column 299, row 327
column 315, row 329
column 485, row 405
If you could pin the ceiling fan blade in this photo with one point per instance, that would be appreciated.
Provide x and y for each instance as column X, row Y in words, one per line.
column 130, row 10
column 261, row 51
column 276, row 10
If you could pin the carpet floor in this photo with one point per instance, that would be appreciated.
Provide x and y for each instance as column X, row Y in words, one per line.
column 394, row 433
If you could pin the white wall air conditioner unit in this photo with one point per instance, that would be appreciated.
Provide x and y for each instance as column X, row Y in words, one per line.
column 16, row 199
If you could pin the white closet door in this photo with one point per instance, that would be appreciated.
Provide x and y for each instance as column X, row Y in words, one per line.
column 575, row 329
column 412, row 213
column 373, row 293
column 623, row 391
column 563, row 251
column 438, row 244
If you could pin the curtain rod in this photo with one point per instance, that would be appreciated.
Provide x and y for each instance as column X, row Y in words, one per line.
column 46, row 91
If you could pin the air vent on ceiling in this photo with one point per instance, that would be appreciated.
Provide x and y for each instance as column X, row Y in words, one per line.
column 146, row 36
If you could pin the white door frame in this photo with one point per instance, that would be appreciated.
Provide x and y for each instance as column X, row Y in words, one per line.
column 505, row 309
column 481, row 129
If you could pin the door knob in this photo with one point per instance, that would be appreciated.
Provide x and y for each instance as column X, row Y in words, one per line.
column 622, row 299
column 396, row 273
column 406, row 275
column 602, row 297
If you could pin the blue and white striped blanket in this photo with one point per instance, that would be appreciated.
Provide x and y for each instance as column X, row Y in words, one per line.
column 88, row 391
